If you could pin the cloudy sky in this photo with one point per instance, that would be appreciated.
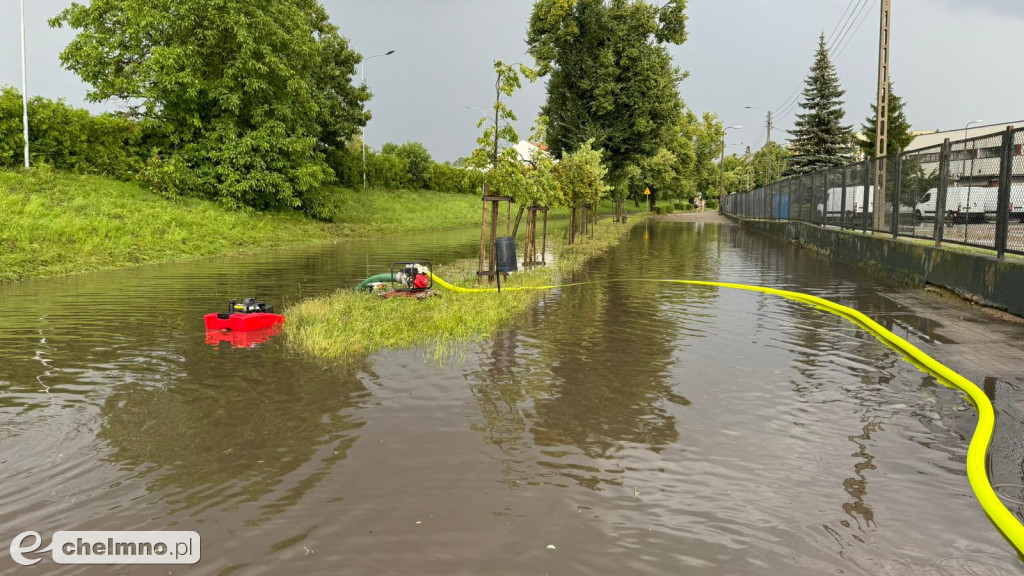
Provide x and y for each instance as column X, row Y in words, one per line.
column 954, row 61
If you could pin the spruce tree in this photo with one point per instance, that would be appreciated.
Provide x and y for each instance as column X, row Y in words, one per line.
column 900, row 134
column 821, row 140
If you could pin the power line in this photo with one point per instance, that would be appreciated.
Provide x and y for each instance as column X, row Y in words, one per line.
column 789, row 110
column 792, row 98
column 760, row 135
column 843, row 23
column 850, row 25
column 841, row 18
column 844, row 30
column 859, row 24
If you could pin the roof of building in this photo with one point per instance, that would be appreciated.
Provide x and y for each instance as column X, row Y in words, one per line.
column 926, row 139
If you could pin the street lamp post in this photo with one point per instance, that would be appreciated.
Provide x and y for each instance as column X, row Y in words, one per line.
column 24, row 85
column 721, row 165
column 963, row 165
column 362, row 75
column 970, row 179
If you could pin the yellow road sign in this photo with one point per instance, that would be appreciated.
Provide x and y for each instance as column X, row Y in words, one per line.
column 647, row 192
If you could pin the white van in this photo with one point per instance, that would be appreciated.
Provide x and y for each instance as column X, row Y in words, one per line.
column 961, row 204
column 833, row 206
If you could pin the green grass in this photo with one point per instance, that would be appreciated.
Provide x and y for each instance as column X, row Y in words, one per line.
column 53, row 223
column 347, row 325
column 386, row 212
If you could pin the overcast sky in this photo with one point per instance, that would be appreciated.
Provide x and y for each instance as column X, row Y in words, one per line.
column 954, row 61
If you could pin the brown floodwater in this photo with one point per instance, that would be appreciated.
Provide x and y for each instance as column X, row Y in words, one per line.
column 618, row 428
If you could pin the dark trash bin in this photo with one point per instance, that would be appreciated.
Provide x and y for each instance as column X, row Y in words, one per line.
column 505, row 254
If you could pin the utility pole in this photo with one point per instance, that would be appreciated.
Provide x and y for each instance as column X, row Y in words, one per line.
column 746, row 158
column 768, row 149
column 767, row 144
column 882, row 109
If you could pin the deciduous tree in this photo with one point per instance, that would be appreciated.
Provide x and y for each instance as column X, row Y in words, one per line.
column 248, row 95
column 611, row 78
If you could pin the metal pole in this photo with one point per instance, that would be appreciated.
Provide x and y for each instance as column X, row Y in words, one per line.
column 768, row 148
column 362, row 138
column 362, row 76
column 1005, row 184
column 940, row 198
column 897, row 185
column 866, row 195
column 721, row 170
column 842, row 202
column 24, row 85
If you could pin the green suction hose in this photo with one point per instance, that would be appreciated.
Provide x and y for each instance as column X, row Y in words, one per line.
column 365, row 284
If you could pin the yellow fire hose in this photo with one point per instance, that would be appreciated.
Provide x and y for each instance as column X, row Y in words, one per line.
column 977, row 450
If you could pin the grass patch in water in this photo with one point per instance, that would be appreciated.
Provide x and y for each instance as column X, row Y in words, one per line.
column 347, row 325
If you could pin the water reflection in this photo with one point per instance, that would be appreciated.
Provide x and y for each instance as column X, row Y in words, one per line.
column 221, row 434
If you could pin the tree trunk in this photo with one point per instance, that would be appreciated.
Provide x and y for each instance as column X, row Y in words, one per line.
column 531, row 236
column 494, row 234
column 572, row 225
column 519, row 216
column 544, row 239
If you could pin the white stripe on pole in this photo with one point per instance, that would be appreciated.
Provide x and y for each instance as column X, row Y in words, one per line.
column 24, row 84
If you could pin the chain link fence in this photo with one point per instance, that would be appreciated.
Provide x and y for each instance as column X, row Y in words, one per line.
column 968, row 192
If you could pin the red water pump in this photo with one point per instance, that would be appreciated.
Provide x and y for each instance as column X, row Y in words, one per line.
column 246, row 316
column 410, row 280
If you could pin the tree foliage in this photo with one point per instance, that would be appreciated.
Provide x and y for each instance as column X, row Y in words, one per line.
column 504, row 171
column 821, row 140
column 706, row 134
column 499, row 133
column 775, row 155
column 900, row 132
column 580, row 176
column 247, row 97
column 750, row 171
column 611, row 78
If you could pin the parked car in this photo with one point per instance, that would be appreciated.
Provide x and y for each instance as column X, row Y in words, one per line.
column 833, row 207
column 962, row 204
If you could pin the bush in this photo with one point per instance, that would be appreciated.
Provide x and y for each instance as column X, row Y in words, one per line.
column 448, row 178
column 323, row 203
column 683, row 206
column 385, row 170
column 419, row 165
column 71, row 139
column 347, row 164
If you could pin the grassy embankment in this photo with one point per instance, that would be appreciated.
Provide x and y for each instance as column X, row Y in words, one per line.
column 347, row 325
column 53, row 223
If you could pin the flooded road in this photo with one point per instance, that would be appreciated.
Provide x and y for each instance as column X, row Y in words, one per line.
column 624, row 428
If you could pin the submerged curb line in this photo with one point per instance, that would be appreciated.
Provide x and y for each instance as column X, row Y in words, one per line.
column 977, row 449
